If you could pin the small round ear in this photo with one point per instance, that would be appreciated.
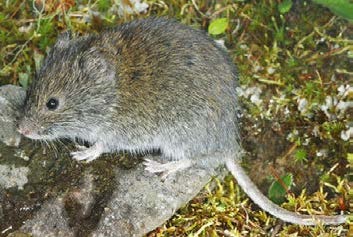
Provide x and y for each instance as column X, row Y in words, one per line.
column 63, row 39
column 96, row 62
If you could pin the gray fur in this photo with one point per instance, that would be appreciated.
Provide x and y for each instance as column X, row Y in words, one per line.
column 148, row 84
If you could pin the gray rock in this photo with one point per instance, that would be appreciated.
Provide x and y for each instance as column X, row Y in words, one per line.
column 53, row 218
column 143, row 201
column 140, row 203
column 11, row 102
column 11, row 176
column 50, row 220
column 84, row 194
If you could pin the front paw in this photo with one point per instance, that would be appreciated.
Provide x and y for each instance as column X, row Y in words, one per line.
column 83, row 155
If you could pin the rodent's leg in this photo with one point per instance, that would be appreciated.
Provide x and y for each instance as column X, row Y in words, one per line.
column 167, row 168
column 88, row 154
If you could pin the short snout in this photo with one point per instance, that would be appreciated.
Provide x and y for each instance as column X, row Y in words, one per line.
column 28, row 129
column 23, row 130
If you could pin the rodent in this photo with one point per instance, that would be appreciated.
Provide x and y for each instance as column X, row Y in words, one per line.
column 147, row 84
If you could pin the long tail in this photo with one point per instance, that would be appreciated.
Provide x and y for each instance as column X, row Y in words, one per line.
column 264, row 203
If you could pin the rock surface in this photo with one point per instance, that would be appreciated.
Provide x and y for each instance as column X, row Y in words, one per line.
column 102, row 199
column 11, row 101
column 50, row 221
column 11, row 176
column 142, row 201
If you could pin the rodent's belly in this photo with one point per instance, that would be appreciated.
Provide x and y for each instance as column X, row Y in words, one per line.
column 143, row 144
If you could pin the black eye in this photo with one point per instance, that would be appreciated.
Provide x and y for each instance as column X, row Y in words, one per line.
column 52, row 104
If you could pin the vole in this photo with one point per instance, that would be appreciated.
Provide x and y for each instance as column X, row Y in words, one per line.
column 147, row 84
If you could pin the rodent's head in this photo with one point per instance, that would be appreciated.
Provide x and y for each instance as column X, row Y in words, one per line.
column 73, row 92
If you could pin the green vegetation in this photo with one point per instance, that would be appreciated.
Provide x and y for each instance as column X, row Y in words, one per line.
column 218, row 26
column 342, row 8
column 295, row 61
column 279, row 188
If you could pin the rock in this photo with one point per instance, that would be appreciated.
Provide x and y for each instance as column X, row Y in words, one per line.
column 11, row 102
column 49, row 221
column 54, row 217
column 11, row 176
column 83, row 195
column 142, row 201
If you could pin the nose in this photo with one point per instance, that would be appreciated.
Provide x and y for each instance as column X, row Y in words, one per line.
column 23, row 129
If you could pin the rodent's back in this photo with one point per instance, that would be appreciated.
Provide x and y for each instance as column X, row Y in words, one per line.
column 176, row 82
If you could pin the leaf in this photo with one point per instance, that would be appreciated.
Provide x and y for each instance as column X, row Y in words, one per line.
column 23, row 79
column 285, row 6
column 350, row 158
column 276, row 192
column 342, row 8
column 218, row 26
column 38, row 58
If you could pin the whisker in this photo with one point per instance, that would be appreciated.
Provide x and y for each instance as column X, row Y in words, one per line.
column 63, row 145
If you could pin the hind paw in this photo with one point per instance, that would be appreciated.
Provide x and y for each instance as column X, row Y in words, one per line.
column 166, row 169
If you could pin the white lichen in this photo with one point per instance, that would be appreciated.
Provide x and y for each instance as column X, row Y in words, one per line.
column 26, row 28
column 21, row 154
column 345, row 90
column 221, row 43
column 271, row 70
column 322, row 153
column 131, row 7
column 335, row 106
column 347, row 134
column 330, row 103
column 252, row 93
column 11, row 176
column 342, row 106
column 302, row 105
column 293, row 135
